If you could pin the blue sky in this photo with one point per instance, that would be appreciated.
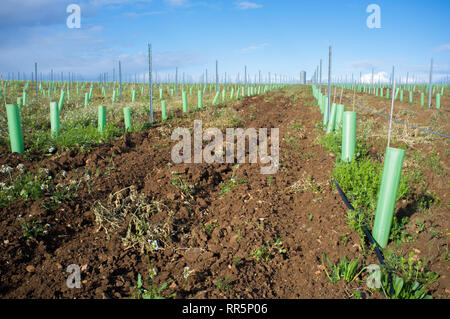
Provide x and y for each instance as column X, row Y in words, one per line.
column 282, row 37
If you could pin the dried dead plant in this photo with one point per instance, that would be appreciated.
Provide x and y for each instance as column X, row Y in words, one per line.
column 130, row 209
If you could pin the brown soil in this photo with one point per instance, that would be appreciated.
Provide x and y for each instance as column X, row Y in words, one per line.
column 211, row 232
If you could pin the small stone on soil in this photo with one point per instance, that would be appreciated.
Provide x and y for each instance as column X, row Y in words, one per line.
column 30, row 268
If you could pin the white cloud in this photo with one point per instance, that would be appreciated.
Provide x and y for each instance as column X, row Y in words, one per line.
column 382, row 77
column 245, row 5
column 443, row 48
column 99, row 3
column 141, row 14
column 83, row 52
column 177, row 3
column 253, row 48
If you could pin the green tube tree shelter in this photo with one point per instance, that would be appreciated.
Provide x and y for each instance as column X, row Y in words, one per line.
column 101, row 118
column 348, row 136
column 54, row 119
column 15, row 128
column 127, row 118
column 387, row 195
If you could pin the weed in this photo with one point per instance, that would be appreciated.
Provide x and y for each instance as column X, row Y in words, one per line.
column 427, row 200
column 411, row 268
column 209, row 228
column 228, row 185
column 24, row 186
column 185, row 189
column 348, row 270
column 398, row 232
column 33, row 229
column 420, row 225
column 153, row 291
column 267, row 252
column 331, row 142
column 73, row 135
column 223, row 284
column 360, row 180
column 356, row 220
column 260, row 254
column 402, row 289
column 344, row 238
column 434, row 162
column 186, row 275
column 434, row 233
column 296, row 132
column 61, row 195
column 237, row 261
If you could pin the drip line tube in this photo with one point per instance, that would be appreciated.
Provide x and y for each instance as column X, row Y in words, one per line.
column 364, row 228
column 368, row 234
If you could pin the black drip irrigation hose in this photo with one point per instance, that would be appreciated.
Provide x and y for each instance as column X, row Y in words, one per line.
column 369, row 236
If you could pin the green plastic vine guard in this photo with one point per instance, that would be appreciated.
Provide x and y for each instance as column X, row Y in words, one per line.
column 321, row 102
column 185, row 102
column 54, row 119
column 61, row 100
column 216, row 98
column 348, row 136
column 339, row 116
column 200, row 99
column 387, row 195
column 24, row 97
column 14, row 128
column 163, row 110
column 127, row 118
column 325, row 112
column 332, row 120
column 101, row 118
